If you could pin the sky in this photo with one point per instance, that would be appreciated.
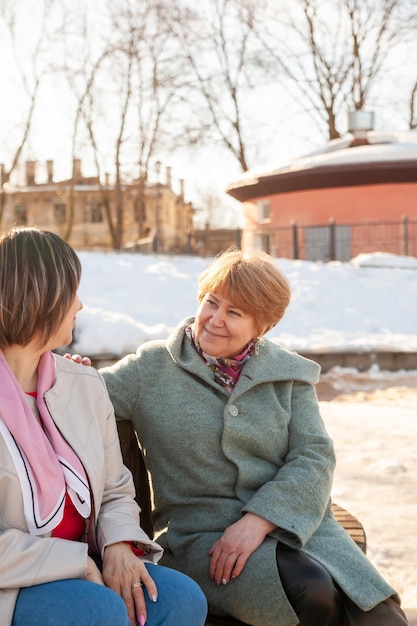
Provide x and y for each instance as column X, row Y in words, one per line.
column 282, row 129
column 368, row 303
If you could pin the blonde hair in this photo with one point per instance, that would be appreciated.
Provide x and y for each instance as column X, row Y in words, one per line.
column 252, row 281
column 39, row 278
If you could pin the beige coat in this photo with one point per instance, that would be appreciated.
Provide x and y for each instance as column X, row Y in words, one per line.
column 80, row 407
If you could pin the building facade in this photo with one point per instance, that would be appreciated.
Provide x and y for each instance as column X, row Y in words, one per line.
column 91, row 214
column 357, row 194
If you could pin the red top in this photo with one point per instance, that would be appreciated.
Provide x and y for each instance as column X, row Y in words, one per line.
column 72, row 524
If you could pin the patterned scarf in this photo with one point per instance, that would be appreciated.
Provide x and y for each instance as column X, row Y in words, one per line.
column 226, row 370
column 46, row 465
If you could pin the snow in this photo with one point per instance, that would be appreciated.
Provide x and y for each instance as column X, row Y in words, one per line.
column 376, row 479
column 367, row 304
column 381, row 147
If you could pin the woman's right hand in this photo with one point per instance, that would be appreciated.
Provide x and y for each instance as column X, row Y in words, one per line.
column 93, row 574
column 231, row 551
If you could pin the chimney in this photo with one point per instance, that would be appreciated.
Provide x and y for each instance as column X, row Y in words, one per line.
column 50, row 171
column 76, row 170
column 169, row 178
column 182, row 188
column 359, row 123
column 30, row 173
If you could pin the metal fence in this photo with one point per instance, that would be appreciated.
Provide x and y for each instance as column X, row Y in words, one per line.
column 202, row 243
column 319, row 242
column 342, row 242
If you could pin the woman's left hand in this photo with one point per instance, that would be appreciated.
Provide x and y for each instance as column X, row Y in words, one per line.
column 230, row 553
column 125, row 573
column 77, row 358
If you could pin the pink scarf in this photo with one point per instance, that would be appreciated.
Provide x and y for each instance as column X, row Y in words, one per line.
column 46, row 465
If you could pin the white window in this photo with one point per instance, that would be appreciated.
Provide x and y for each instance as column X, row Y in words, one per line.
column 94, row 213
column 262, row 241
column 20, row 215
column 60, row 213
column 264, row 207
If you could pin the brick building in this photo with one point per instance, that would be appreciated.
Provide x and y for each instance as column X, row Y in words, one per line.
column 350, row 184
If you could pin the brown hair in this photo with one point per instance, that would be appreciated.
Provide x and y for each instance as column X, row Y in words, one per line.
column 252, row 281
column 39, row 278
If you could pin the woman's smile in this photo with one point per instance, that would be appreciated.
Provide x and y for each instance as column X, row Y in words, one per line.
column 213, row 334
column 221, row 328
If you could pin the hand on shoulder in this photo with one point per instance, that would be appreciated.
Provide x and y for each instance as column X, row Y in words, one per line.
column 77, row 358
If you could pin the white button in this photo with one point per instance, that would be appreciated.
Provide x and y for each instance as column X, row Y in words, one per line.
column 233, row 410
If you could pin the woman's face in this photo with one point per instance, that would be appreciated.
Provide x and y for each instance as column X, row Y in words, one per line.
column 221, row 328
column 63, row 336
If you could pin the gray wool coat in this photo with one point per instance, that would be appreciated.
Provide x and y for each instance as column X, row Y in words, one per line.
column 213, row 456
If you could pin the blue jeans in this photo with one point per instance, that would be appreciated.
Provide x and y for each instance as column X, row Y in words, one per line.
column 76, row 602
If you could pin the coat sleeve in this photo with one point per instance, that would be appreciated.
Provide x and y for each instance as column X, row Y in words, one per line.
column 118, row 516
column 299, row 495
column 122, row 381
column 27, row 560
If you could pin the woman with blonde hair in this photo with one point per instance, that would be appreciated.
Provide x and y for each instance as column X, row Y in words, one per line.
column 241, row 462
column 72, row 549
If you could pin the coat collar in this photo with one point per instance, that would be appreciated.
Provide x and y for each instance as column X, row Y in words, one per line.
column 183, row 353
column 274, row 363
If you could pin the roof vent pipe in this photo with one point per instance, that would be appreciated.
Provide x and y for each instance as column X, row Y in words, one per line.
column 359, row 123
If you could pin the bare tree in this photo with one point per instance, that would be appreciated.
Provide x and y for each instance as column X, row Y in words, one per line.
column 221, row 53
column 333, row 53
column 158, row 81
column 30, row 76
column 129, row 90
column 412, row 120
column 152, row 76
column 82, row 118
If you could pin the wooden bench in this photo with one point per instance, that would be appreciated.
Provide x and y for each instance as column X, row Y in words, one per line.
column 133, row 459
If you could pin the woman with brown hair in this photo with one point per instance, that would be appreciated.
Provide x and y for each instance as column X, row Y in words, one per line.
column 72, row 549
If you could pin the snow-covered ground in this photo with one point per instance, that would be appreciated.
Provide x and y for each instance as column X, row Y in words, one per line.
column 367, row 304
column 375, row 436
